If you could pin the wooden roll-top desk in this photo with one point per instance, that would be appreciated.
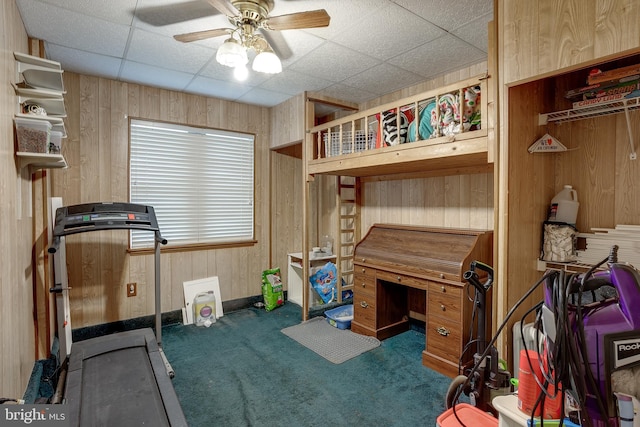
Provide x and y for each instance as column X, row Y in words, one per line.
column 408, row 272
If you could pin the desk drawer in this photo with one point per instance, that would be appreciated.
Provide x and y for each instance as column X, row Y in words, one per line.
column 364, row 284
column 402, row 279
column 364, row 271
column 444, row 339
column 444, row 288
column 364, row 310
column 445, row 305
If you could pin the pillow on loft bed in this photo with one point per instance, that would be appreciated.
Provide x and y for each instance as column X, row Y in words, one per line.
column 390, row 134
column 426, row 128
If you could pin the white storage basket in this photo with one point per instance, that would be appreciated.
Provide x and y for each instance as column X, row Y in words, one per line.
column 332, row 147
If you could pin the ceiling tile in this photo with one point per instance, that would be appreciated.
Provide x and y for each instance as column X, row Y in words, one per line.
column 216, row 88
column 446, row 14
column 476, row 32
column 118, row 11
column 343, row 13
column 447, row 53
column 383, row 78
column 263, row 97
column 293, row 83
column 52, row 24
column 333, row 62
column 165, row 52
column 344, row 92
column 405, row 31
column 87, row 63
column 154, row 76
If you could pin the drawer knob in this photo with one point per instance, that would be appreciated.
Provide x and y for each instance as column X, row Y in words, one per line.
column 443, row 331
column 364, row 270
column 364, row 285
column 399, row 278
column 442, row 307
column 441, row 275
column 443, row 289
column 364, row 260
column 364, row 304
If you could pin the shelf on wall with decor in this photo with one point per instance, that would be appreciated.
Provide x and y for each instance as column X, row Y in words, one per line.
column 41, row 112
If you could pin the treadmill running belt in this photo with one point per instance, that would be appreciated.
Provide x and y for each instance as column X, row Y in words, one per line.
column 122, row 390
column 120, row 380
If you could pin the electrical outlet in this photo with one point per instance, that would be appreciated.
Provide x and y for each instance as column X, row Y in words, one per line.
column 132, row 289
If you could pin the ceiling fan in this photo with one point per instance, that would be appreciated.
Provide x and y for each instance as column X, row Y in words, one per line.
column 247, row 17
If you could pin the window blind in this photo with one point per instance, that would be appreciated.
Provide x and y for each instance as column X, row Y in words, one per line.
column 199, row 181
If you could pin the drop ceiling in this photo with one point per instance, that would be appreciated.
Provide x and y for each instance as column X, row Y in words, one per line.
column 370, row 48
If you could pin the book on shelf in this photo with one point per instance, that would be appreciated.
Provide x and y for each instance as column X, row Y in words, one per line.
column 598, row 76
column 605, row 99
column 623, row 85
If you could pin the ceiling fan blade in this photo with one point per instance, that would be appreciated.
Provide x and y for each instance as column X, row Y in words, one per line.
column 277, row 43
column 294, row 21
column 224, row 6
column 201, row 35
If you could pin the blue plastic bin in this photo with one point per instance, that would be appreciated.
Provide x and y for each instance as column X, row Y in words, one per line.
column 340, row 317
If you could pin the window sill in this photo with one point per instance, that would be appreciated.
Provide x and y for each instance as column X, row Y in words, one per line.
column 194, row 247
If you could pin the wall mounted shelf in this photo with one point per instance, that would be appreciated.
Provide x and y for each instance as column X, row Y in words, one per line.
column 623, row 105
column 41, row 160
column 42, row 85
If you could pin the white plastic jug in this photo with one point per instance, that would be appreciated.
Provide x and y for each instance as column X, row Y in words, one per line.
column 204, row 309
column 564, row 206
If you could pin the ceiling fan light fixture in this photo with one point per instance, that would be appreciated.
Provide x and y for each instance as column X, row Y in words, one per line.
column 267, row 62
column 232, row 53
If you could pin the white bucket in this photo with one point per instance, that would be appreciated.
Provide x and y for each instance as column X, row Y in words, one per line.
column 564, row 206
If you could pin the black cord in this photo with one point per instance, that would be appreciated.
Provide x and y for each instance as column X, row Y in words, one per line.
column 492, row 342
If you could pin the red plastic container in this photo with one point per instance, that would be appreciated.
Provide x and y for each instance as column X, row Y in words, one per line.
column 528, row 389
column 469, row 415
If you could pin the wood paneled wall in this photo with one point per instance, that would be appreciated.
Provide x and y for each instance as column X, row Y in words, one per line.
column 97, row 153
column 17, row 346
column 539, row 38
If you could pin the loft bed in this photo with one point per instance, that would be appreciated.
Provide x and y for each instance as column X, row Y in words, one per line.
column 440, row 129
column 439, row 132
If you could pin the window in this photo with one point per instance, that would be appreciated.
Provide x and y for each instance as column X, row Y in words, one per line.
column 199, row 181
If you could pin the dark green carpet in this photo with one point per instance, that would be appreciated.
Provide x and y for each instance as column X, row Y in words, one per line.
column 242, row 371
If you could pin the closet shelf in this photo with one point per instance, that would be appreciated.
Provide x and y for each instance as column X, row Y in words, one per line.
column 603, row 109
column 623, row 105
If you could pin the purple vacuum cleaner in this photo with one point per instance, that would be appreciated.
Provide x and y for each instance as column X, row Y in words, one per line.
column 592, row 323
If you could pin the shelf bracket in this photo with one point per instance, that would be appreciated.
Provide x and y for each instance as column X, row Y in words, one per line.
column 632, row 155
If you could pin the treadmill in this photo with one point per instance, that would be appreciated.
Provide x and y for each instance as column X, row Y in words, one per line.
column 121, row 379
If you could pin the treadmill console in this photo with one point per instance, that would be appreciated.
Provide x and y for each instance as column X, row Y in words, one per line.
column 103, row 216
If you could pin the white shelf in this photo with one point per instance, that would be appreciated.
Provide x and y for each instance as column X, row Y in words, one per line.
column 42, row 85
column 41, row 160
column 603, row 109
column 295, row 280
column 623, row 105
column 39, row 72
